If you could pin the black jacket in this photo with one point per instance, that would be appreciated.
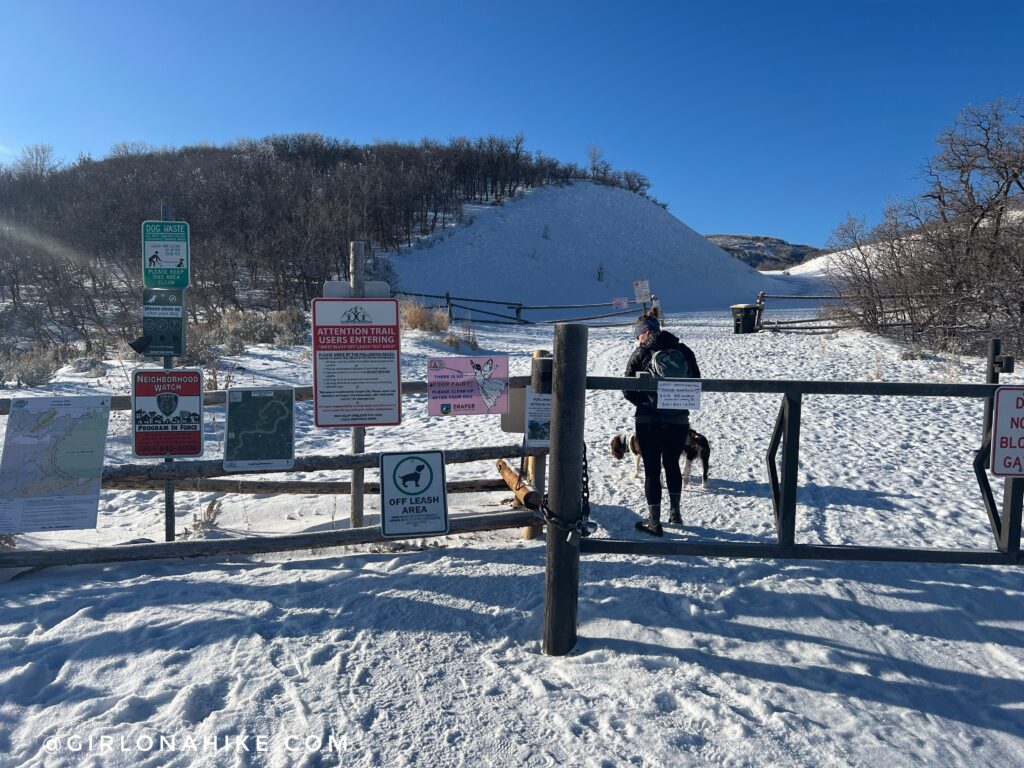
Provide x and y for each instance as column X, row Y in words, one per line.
column 640, row 360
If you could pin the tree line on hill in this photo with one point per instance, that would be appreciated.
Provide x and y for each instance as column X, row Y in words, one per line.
column 946, row 268
column 270, row 220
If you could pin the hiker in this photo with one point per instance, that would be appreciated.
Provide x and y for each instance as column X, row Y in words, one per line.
column 660, row 433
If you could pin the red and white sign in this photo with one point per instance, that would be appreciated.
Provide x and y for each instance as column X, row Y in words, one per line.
column 1008, row 432
column 356, row 369
column 620, row 303
column 167, row 411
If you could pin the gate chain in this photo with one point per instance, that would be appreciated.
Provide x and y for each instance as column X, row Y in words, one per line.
column 581, row 527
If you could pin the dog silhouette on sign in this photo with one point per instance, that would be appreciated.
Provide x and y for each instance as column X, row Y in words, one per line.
column 412, row 477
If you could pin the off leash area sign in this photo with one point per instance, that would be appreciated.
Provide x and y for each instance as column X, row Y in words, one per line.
column 356, row 368
column 165, row 254
column 1008, row 433
column 167, row 411
column 413, row 494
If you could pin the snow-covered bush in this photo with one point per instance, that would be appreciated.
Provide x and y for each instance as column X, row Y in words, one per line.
column 414, row 316
column 92, row 367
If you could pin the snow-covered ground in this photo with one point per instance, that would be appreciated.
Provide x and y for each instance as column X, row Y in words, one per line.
column 431, row 655
column 581, row 243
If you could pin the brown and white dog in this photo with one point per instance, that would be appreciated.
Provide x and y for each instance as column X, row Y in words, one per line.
column 697, row 446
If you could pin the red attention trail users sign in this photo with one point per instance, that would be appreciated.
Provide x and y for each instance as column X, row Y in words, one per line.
column 356, row 372
column 167, row 410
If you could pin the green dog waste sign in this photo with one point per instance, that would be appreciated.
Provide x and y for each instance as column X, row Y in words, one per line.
column 165, row 254
column 413, row 495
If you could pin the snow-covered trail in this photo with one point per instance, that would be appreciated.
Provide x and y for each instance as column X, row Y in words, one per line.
column 432, row 657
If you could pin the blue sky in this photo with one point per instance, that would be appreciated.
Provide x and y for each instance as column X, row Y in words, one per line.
column 772, row 118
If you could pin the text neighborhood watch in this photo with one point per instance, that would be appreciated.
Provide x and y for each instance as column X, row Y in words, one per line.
column 167, row 413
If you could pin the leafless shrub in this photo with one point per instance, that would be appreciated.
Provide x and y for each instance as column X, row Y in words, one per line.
column 415, row 316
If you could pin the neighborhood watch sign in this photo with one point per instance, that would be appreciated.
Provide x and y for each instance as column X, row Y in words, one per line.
column 167, row 413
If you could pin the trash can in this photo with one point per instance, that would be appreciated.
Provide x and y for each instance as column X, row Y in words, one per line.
column 744, row 318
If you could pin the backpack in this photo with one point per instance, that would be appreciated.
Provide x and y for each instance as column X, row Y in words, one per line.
column 669, row 364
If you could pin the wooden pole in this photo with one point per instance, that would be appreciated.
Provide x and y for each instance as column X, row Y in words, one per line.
column 995, row 347
column 526, row 495
column 357, row 260
column 536, row 466
column 569, row 393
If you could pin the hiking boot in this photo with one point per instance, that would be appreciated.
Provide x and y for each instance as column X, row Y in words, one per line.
column 648, row 527
column 674, row 517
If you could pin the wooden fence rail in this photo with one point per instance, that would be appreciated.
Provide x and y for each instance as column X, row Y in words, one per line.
column 248, row 546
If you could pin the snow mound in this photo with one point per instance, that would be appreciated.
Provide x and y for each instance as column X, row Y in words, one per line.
column 580, row 244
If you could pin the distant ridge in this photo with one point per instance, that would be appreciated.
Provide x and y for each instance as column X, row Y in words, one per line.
column 765, row 253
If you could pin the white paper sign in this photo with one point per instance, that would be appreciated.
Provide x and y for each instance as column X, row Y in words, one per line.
column 1008, row 433
column 538, row 420
column 678, row 395
column 413, row 494
column 642, row 291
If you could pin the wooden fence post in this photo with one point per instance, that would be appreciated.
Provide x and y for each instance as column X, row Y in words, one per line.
column 536, row 466
column 995, row 346
column 568, row 407
column 356, row 260
column 790, row 467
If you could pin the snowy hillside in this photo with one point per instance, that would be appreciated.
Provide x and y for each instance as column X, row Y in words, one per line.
column 429, row 655
column 548, row 247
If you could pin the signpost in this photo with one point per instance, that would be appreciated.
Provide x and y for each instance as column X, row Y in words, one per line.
column 413, row 494
column 167, row 412
column 163, row 320
column 165, row 254
column 1008, row 432
column 356, row 366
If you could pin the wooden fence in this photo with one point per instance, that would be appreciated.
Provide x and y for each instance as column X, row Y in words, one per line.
column 569, row 388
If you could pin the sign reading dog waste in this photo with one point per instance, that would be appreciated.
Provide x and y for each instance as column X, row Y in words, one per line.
column 356, row 371
column 167, row 411
column 165, row 254
column 1008, row 432
column 413, row 494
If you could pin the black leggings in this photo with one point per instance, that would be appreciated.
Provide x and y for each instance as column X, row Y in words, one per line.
column 661, row 444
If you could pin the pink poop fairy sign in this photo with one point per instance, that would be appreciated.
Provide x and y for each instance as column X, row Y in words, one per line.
column 466, row 386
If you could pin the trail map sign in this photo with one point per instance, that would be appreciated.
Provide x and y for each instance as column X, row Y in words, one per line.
column 642, row 291
column 167, row 410
column 163, row 320
column 165, row 254
column 413, row 494
column 1008, row 432
column 463, row 386
column 260, row 431
column 356, row 368
column 52, row 463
